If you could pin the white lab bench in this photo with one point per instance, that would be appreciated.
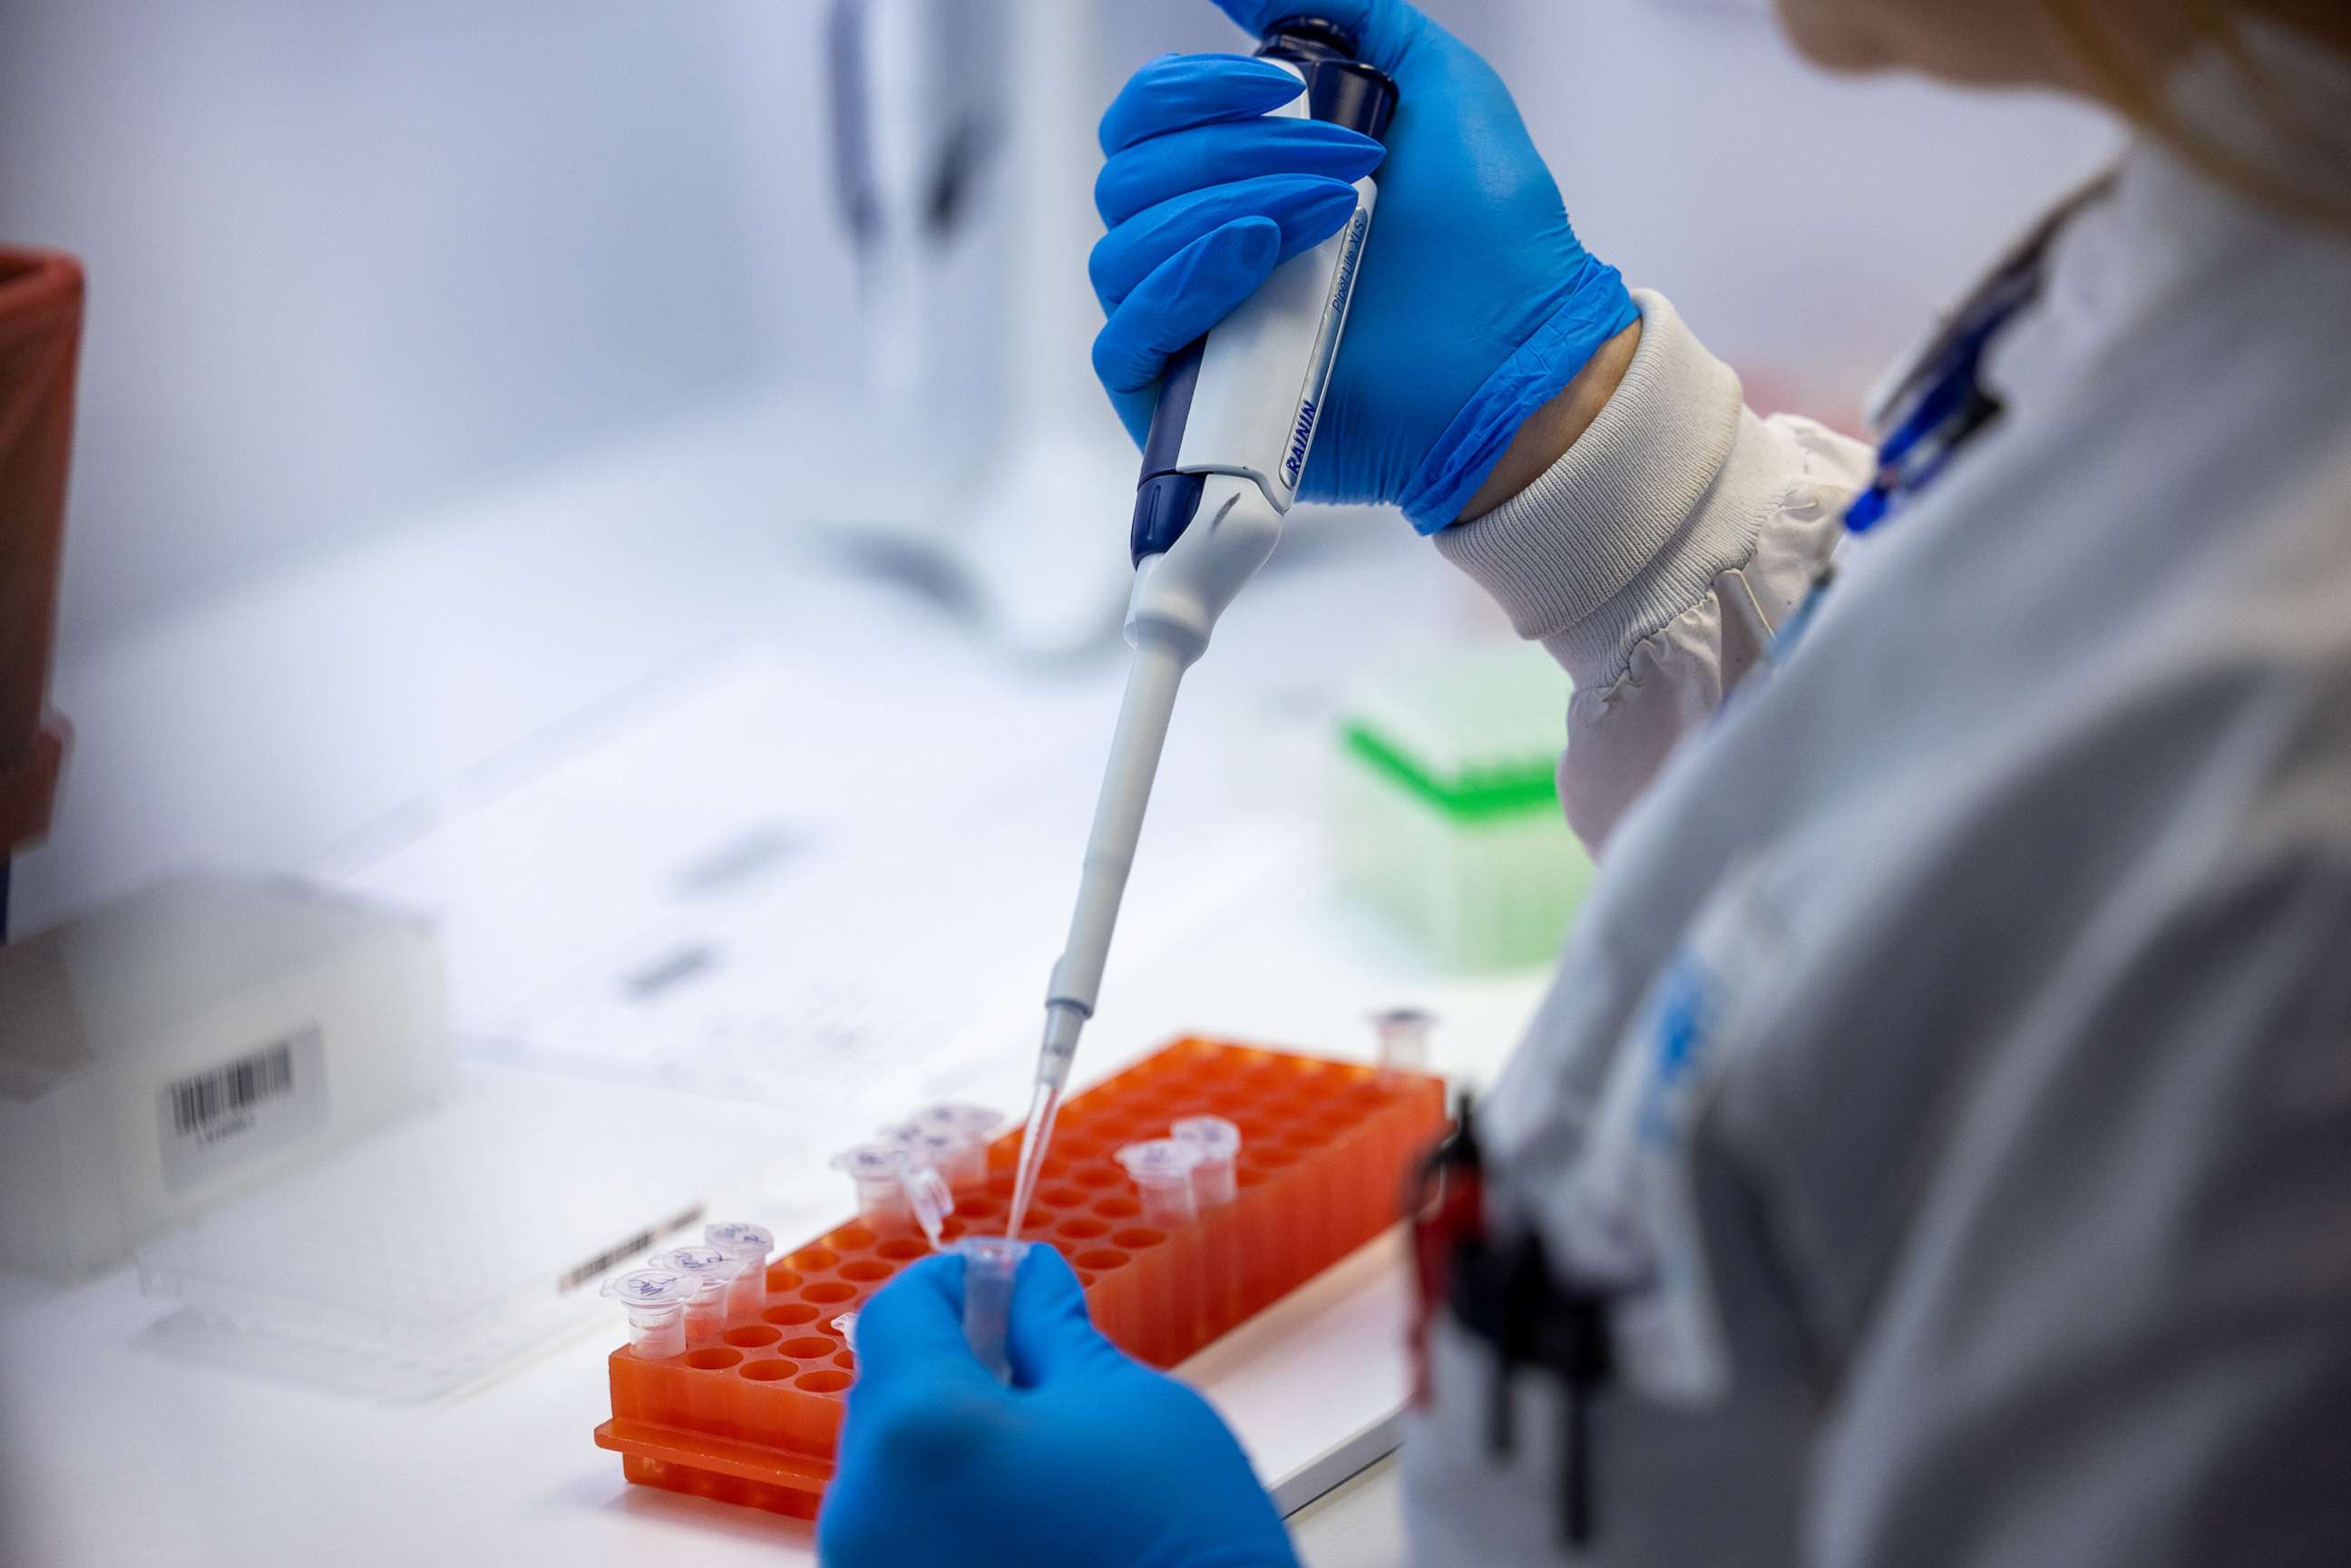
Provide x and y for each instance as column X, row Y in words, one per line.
column 317, row 722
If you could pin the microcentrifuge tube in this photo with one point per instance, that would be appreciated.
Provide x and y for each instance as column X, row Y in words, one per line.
column 1162, row 1169
column 949, row 1154
column 716, row 1274
column 895, row 1191
column 657, row 1301
column 754, row 1244
column 989, row 1264
column 1402, row 1035
column 974, row 1125
column 845, row 1325
column 1219, row 1142
column 878, row 1172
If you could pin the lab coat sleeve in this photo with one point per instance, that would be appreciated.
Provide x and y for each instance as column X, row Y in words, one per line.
column 2119, row 1331
column 1657, row 557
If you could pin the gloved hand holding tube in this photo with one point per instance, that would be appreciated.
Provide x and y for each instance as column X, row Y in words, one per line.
column 1089, row 1458
column 1476, row 305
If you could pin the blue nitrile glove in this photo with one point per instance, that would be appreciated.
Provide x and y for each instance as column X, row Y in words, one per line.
column 1090, row 1460
column 1476, row 305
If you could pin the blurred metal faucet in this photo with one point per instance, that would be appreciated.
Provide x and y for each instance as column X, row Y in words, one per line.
column 964, row 156
column 917, row 94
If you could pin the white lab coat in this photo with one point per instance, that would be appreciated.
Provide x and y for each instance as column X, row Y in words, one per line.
column 1996, row 1210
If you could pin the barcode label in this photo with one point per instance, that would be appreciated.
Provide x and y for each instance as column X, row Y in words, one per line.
column 623, row 1251
column 211, row 1121
column 203, row 1107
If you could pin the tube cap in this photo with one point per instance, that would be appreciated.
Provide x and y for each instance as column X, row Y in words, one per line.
column 651, row 1288
column 931, row 1200
column 870, row 1161
column 1159, row 1160
column 1216, row 1138
column 739, row 1239
column 963, row 1121
column 707, row 1264
column 925, row 1144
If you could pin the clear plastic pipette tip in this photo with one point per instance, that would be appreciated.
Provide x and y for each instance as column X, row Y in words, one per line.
column 1063, row 1021
column 1036, row 1136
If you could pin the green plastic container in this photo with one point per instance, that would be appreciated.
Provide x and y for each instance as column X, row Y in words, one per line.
column 1447, row 814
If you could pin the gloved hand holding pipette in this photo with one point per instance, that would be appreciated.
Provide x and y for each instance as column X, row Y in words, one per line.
column 1089, row 1458
column 1478, row 302
column 1338, row 360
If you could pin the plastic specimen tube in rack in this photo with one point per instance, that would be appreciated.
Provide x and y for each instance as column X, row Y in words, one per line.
column 989, row 1265
column 655, row 1300
column 961, row 1164
column 754, row 1244
column 715, row 1273
column 896, row 1192
column 1402, row 1035
column 1219, row 1144
column 877, row 1171
column 1162, row 1169
column 970, row 1126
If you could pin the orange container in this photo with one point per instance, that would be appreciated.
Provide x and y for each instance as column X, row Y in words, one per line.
column 40, row 333
column 1325, row 1149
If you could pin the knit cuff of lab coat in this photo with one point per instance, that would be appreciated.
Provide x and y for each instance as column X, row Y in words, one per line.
column 1626, row 530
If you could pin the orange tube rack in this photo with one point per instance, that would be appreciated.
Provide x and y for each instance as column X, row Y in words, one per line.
column 1325, row 1149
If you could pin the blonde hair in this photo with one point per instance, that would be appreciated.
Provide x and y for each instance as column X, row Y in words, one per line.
column 2120, row 45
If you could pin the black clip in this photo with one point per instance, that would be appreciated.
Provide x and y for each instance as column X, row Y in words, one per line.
column 1591, row 1362
column 1507, row 1295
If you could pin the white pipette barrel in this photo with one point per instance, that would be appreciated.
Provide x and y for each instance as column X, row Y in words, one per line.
column 1228, row 448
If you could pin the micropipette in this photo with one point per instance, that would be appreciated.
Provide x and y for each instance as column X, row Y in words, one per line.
column 1228, row 443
